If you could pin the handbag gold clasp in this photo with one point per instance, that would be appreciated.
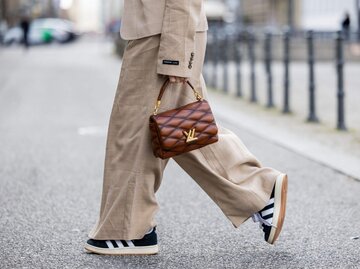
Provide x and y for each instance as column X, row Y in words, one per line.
column 190, row 136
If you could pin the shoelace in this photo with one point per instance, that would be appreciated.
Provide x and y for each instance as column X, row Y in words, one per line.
column 258, row 218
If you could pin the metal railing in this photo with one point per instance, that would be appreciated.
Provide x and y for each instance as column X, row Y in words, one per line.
column 226, row 46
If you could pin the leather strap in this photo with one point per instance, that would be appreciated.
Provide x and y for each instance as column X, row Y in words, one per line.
column 163, row 88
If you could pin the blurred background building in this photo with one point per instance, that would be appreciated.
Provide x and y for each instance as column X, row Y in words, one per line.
column 12, row 10
column 299, row 14
column 95, row 15
column 88, row 15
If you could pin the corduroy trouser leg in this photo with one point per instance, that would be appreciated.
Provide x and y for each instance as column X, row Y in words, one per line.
column 233, row 178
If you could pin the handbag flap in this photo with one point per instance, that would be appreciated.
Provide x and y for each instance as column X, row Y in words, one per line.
column 187, row 126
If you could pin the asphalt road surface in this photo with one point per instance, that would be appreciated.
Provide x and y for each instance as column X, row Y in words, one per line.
column 55, row 104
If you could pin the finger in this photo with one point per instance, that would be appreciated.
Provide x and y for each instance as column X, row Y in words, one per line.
column 172, row 79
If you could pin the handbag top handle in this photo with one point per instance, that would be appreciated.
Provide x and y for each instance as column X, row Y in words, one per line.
column 163, row 88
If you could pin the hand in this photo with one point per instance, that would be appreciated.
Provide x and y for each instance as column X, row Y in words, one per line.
column 174, row 79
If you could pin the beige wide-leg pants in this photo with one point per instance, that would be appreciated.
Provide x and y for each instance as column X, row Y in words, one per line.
column 233, row 178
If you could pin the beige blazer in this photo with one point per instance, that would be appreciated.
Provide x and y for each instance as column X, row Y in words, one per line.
column 176, row 21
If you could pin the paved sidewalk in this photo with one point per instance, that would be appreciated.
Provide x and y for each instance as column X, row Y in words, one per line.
column 325, row 86
column 320, row 142
column 55, row 104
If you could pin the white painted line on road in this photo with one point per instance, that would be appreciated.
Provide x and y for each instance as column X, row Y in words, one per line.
column 92, row 130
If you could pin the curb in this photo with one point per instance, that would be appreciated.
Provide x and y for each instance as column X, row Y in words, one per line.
column 334, row 159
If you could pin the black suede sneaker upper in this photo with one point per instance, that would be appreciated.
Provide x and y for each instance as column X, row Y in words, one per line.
column 149, row 239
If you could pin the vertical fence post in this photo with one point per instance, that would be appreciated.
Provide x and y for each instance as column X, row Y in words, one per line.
column 268, row 60
column 340, row 81
column 286, row 108
column 205, row 71
column 225, row 64
column 238, row 65
column 210, row 47
column 215, row 48
column 357, row 3
column 310, row 44
column 251, row 44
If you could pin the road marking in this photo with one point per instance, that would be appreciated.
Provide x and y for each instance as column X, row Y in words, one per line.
column 92, row 130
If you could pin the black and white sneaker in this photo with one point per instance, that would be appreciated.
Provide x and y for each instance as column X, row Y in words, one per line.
column 271, row 217
column 144, row 246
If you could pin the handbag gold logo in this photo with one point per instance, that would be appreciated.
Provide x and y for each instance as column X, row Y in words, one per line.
column 190, row 136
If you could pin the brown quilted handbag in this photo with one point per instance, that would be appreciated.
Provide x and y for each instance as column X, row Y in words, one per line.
column 182, row 129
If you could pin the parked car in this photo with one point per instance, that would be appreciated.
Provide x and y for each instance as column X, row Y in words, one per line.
column 43, row 31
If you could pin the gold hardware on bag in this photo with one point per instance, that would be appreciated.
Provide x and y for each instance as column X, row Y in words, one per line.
column 198, row 95
column 190, row 136
column 156, row 109
column 157, row 105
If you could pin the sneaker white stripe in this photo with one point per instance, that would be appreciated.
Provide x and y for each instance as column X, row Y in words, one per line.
column 271, row 201
column 109, row 244
column 119, row 243
column 267, row 212
column 130, row 243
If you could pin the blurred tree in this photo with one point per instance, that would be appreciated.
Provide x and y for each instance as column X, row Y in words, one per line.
column 13, row 10
column 2, row 9
column 275, row 13
column 290, row 15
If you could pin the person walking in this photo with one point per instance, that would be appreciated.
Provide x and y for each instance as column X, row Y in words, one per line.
column 167, row 40
column 25, row 26
column 345, row 25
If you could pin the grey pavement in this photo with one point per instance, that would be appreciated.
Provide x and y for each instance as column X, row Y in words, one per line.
column 54, row 108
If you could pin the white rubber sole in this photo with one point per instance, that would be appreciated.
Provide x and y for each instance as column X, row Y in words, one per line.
column 148, row 250
column 280, row 196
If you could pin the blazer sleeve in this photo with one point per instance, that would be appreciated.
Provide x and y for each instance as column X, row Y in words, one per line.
column 177, row 42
